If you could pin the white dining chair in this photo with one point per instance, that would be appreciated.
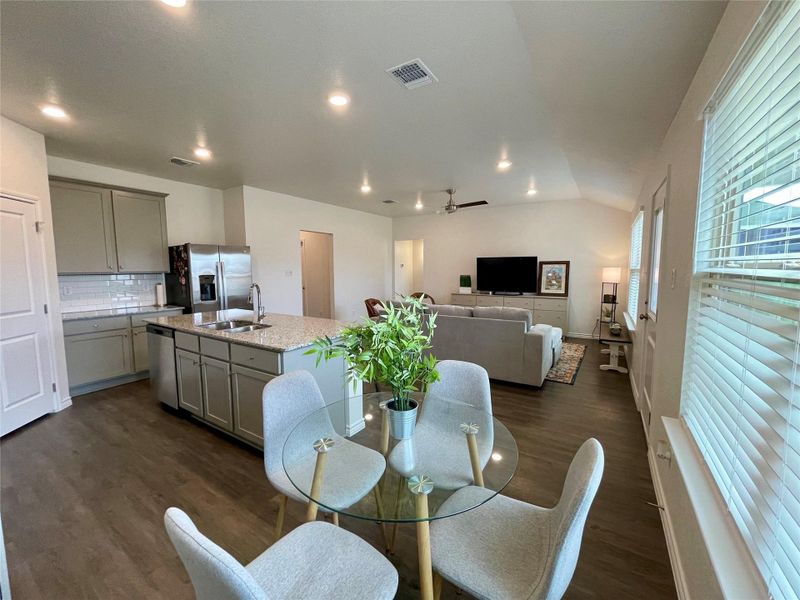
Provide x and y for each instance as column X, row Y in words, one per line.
column 439, row 447
column 351, row 470
column 511, row 549
column 316, row 560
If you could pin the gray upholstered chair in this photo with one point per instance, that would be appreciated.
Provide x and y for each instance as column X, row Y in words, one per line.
column 511, row 549
column 287, row 400
column 316, row 560
column 448, row 462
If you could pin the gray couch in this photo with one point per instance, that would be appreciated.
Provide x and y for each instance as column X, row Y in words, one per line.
column 503, row 340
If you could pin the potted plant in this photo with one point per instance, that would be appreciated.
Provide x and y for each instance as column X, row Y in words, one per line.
column 465, row 283
column 390, row 351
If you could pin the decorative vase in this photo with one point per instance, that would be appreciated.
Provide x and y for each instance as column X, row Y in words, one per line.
column 402, row 422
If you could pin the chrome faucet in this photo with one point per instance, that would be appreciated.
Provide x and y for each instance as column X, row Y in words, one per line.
column 258, row 310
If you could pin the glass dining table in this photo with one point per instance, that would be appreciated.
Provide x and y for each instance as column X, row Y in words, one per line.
column 454, row 446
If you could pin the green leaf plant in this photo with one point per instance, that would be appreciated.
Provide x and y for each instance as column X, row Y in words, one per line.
column 390, row 350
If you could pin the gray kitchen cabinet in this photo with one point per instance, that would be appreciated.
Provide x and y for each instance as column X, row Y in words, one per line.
column 217, row 392
column 140, row 228
column 248, row 416
column 190, row 381
column 98, row 356
column 83, row 228
column 99, row 229
column 141, row 360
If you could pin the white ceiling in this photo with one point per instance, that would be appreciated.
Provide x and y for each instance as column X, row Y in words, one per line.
column 578, row 94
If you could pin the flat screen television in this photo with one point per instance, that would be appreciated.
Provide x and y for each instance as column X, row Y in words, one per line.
column 507, row 274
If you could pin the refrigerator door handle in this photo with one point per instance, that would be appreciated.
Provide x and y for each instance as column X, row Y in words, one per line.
column 223, row 294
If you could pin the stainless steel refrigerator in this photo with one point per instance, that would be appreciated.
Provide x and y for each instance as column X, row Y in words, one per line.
column 206, row 278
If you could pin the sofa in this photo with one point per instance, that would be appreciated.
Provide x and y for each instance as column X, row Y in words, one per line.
column 503, row 340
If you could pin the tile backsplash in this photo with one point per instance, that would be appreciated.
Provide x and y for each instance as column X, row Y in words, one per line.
column 98, row 292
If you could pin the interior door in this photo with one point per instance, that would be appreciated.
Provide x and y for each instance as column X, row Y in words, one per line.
column 26, row 384
column 648, row 317
column 316, row 251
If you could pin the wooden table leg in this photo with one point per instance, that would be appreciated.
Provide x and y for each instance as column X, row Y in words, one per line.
column 437, row 586
column 321, row 446
column 382, row 524
column 400, row 482
column 384, row 431
column 281, row 516
column 471, row 430
column 421, row 486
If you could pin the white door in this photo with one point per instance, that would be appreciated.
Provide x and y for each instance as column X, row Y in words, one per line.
column 648, row 317
column 26, row 384
column 316, row 255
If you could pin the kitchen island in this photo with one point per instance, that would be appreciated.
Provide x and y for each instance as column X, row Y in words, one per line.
column 219, row 370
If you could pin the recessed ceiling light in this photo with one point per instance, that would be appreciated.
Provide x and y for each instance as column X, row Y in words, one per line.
column 496, row 456
column 175, row 3
column 202, row 153
column 339, row 99
column 54, row 112
column 531, row 192
column 504, row 164
column 419, row 205
column 366, row 189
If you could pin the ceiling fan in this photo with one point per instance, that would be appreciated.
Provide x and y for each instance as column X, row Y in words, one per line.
column 452, row 207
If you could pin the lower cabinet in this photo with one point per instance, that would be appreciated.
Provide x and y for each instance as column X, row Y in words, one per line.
column 190, row 381
column 248, row 416
column 217, row 408
column 141, row 358
column 98, row 356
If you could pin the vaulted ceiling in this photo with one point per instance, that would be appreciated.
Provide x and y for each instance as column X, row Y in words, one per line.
column 577, row 95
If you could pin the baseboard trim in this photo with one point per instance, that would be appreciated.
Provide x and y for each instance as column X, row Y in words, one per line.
column 66, row 402
column 669, row 534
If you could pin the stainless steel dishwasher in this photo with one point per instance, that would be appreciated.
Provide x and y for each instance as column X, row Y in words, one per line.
column 161, row 347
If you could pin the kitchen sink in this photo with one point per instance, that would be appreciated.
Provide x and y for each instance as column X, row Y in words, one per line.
column 237, row 326
column 250, row 327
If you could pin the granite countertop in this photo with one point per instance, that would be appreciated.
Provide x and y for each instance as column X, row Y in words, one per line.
column 286, row 332
column 115, row 312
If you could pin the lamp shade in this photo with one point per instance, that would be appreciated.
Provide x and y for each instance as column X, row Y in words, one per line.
column 612, row 274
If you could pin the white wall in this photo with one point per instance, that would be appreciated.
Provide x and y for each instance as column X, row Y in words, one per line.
column 23, row 172
column 403, row 267
column 362, row 251
column 589, row 235
column 194, row 212
column 233, row 199
column 681, row 152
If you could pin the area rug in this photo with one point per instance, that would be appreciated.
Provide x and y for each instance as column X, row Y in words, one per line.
column 566, row 369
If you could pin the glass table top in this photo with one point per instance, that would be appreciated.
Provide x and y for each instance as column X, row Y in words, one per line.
column 368, row 474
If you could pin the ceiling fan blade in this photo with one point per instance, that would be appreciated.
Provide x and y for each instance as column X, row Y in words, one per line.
column 468, row 204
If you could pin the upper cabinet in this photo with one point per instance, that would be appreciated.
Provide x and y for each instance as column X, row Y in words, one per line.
column 98, row 229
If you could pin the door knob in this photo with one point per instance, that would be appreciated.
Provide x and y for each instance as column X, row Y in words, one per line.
column 643, row 317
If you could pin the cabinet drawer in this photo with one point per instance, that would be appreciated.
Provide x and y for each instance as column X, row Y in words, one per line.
column 215, row 348
column 489, row 301
column 256, row 358
column 187, row 341
column 550, row 317
column 95, row 325
column 550, row 303
column 138, row 320
column 520, row 303
column 462, row 299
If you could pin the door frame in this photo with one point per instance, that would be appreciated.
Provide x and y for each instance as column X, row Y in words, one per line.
column 330, row 271
column 645, row 402
column 54, row 327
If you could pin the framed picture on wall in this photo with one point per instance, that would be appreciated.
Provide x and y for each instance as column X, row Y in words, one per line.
column 554, row 278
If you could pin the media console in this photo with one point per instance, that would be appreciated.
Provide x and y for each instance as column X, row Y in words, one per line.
column 547, row 310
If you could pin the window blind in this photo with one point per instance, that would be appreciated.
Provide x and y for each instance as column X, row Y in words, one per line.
column 741, row 384
column 635, row 265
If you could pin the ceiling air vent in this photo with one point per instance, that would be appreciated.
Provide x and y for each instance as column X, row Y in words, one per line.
column 183, row 162
column 412, row 74
column 388, row 201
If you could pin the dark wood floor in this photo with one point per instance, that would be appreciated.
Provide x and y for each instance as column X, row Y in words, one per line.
column 84, row 492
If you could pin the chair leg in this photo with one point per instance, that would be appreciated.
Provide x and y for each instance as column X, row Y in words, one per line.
column 437, row 586
column 281, row 516
column 400, row 485
column 336, row 519
column 381, row 524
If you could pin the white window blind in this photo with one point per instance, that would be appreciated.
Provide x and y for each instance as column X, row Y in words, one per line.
column 635, row 265
column 741, row 385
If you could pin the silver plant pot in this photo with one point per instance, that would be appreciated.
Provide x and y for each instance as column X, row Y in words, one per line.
column 402, row 422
